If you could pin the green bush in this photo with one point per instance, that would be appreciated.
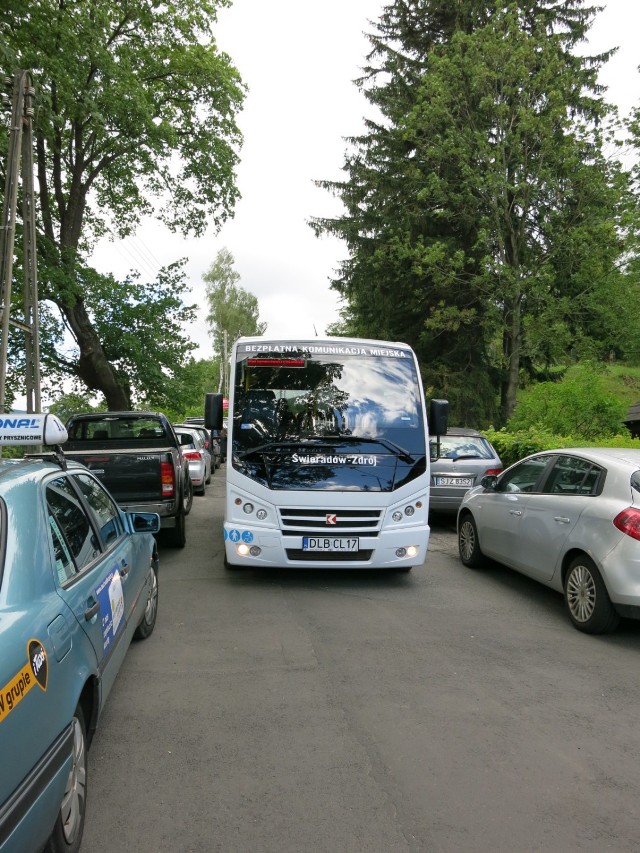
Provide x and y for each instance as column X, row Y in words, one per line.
column 512, row 446
column 580, row 405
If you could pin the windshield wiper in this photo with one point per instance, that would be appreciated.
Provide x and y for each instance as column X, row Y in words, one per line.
column 400, row 452
column 268, row 445
column 319, row 440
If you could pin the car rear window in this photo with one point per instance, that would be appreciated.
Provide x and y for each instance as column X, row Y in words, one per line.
column 117, row 429
column 462, row 446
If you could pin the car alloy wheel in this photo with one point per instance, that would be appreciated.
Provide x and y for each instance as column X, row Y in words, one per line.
column 67, row 833
column 587, row 600
column 581, row 594
column 468, row 546
column 148, row 622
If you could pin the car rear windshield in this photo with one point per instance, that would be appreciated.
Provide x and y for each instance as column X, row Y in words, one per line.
column 461, row 446
column 117, row 428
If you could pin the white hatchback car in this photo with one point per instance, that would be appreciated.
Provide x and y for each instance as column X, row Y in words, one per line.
column 569, row 519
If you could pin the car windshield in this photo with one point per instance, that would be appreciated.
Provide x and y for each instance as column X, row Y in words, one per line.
column 321, row 397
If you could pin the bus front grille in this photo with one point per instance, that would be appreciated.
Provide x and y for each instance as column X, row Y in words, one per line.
column 328, row 557
column 356, row 520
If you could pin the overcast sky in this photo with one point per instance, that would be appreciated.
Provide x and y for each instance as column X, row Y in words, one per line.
column 298, row 60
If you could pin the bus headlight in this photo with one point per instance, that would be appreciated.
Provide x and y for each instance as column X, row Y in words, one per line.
column 261, row 514
column 410, row 551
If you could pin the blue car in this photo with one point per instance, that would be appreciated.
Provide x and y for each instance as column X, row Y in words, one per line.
column 78, row 581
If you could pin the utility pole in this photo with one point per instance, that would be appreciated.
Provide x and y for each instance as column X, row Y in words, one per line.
column 20, row 152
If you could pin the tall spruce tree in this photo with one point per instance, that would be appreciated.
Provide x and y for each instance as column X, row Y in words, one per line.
column 478, row 199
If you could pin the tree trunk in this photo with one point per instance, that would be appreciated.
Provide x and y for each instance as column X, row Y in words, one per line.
column 511, row 348
column 93, row 367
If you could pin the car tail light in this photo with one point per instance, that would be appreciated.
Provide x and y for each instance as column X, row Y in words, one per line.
column 493, row 472
column 628, row 522
column 193, row 454
column 168, row 481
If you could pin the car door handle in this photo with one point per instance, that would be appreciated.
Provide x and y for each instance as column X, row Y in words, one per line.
column 515, row 512
column 124, row 570
column 90, row 612
column 561, row 519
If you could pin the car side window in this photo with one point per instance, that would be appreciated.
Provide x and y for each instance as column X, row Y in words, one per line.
column 573, row 476
column 106, row 511
column 74, row 540
column 65, row 567
column 523, row 477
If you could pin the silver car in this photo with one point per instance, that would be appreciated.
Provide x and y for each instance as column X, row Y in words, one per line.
column 197, row 455
column 459, row 460
column 569, row 519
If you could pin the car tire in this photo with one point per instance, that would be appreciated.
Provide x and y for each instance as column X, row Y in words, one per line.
column 67, row 832
column 188, row 498
column 468, row 544
column 586, row 598
column 176, row 537
column 200, row 492
column 148, row 621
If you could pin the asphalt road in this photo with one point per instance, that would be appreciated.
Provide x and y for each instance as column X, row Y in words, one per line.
column 444, row 710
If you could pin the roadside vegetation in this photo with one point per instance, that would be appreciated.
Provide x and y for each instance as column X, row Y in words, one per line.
column 490, row 209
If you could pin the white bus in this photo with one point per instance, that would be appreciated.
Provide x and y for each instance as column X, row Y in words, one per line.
column 328, row 454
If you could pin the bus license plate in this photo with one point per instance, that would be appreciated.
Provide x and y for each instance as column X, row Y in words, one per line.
column 330, row 543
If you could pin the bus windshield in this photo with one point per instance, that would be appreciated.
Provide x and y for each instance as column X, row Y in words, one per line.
column 307, row 395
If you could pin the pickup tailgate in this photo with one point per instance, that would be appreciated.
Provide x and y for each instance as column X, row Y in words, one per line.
column 132, row 477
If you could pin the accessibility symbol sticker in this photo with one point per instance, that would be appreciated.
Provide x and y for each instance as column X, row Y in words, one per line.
column 234, row 535
column 247, row 536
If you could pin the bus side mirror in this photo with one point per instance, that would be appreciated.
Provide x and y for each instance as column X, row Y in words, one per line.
column 438, row 417
column 213, row 411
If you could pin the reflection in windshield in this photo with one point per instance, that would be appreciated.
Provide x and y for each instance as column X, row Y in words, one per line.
column 318, row 396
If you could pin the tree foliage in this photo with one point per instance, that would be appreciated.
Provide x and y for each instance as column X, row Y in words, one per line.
column 134, row 103
column 233, row 311
column 184, row 392
column 482, row 219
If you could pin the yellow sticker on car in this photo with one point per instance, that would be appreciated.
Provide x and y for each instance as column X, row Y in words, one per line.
column 35, row 671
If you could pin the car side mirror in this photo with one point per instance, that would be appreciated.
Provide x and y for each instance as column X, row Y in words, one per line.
column 489, row 482
column 144, row 522
column 213, row 411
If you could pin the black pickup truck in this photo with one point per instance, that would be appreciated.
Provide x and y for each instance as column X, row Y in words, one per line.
column 137, row 456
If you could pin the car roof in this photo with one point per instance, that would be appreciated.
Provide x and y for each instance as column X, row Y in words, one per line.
column 463, row 431
column 601, row 455
column 32, row 468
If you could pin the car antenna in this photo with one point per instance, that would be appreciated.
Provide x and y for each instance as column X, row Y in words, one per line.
column 56, row 455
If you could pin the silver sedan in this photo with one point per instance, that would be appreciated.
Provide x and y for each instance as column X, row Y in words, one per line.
column 570, row 519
